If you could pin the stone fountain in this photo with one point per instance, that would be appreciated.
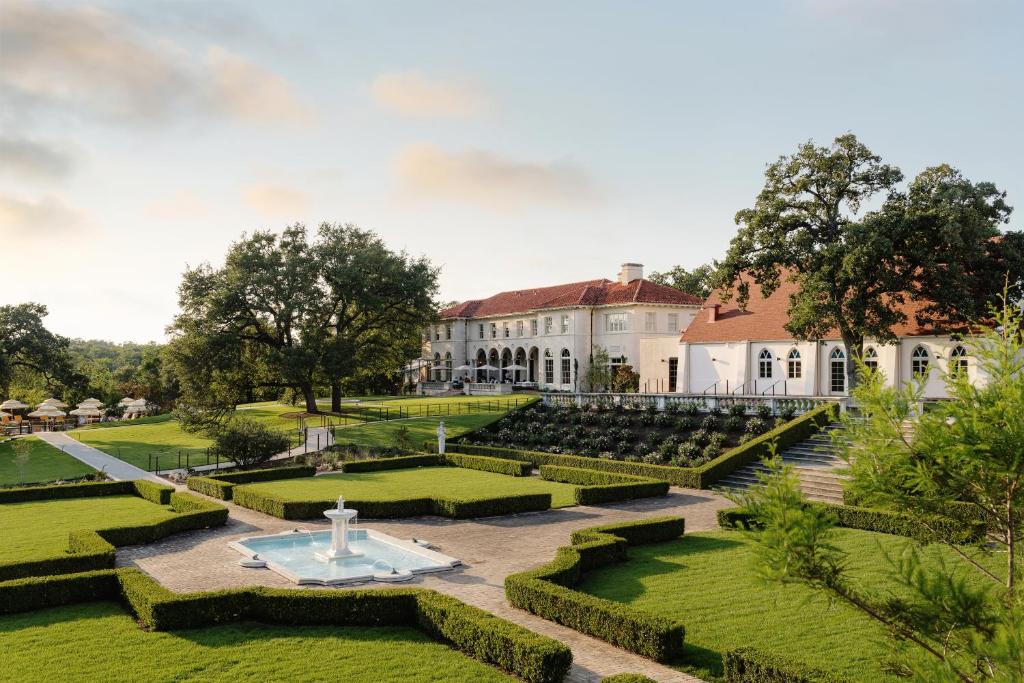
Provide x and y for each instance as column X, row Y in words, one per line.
column 340, row 517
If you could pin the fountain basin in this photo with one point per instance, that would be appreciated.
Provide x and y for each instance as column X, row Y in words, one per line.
column 304, row 557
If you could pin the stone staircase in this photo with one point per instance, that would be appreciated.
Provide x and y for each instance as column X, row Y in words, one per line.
column 815, row 461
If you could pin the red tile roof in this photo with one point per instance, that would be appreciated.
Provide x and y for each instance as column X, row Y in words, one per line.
column 588, row 293
column 765, row 319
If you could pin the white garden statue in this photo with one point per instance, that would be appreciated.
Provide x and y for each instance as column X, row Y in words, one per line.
column 440, row 438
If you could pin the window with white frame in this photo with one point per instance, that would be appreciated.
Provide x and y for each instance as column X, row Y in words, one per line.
column 494, row 330
column 565, row 324
column 437, row 333
column 533, row 327
column 547, row 324
column 871, row 359
column 837, row 370
column 764, row 364
column 505, row 330
column 919, row 361
column 519, row 328
column 615, row 322
column 566, row 367
column 650, row 322
column 794, row 366
column 549, row 367
column 958, row 360
column 447, row 331
column 673, row 322
column 481, row 330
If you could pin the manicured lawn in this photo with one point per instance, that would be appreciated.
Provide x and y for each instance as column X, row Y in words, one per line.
column 100, row 642
column 40, row 528
column 706, row 581
column 136, row 442
column 420, row 429
column 399, row 484
column 44, row 463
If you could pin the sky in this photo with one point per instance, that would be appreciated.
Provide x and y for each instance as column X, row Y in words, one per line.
column 514, row 144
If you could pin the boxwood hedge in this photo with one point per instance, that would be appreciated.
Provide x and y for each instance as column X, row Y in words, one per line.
column 594, row 487
column 513, row 468
column 220, row 485
column 627, row 678
column 548, row 590
column 748, row 665
column 90, row 550
column 401, row 462
column 479, row 634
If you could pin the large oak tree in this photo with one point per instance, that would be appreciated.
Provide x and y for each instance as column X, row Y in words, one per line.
column 287, row 312
column 27, row 346
column 937, row 243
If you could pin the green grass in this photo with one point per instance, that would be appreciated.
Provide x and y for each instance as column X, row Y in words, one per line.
column 39, row 529
column 399, row 484
column 135, row 443
column 44, row 463
column 421, row 429
column 100, row 642
column 707, row 581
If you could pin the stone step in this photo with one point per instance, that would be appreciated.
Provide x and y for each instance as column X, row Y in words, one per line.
column 812, row 493
column 748, row 478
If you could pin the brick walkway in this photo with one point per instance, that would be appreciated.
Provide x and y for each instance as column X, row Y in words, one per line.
column 490, row 548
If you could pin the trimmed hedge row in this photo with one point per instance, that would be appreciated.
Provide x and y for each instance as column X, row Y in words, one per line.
column 882, row 521
column 513, row 468
column 82, row 490
column 547, row 591
column 748, row 665
column 456, row 508
column 594, row 487
column 401, row 462
column 701, row 477
column 220, row 485
column 481, row 635
column 90, row 550
column 627, row 678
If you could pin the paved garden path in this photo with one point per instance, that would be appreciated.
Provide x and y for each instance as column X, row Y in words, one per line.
column 115, row 468
column 490, row 549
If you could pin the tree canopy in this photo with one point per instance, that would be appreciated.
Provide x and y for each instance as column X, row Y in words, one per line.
column 699, row 282
column 937, row 243
column 284, row 312
column 27, row 346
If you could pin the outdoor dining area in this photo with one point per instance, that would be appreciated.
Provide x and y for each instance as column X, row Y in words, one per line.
column 17, row 417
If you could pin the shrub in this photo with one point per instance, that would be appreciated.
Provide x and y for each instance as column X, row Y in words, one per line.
column 547, row 591
column 787, row 412
column 664, row 421
column 701, row 437
column 737, row 410
column 512, row 468
column 401, row 462
column 247, row 442
column 688, row 450
column 689, row 409
column 39, row 592
column 764, row 411
column 685, row 423
column 61, row 491
column 595, row 487
column 709, row 423
column 756, row 425
column 733, row 423
column 221, row 485
column 748, row 665
column 711, row 451
column 627, row 678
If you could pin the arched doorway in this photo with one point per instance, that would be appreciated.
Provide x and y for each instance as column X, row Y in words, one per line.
column 506, row 360
column 494, row 362
column 481, row 360
column 520, row 359
column 534, row 359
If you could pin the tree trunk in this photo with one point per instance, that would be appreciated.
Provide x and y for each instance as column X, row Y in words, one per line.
column 854, row 352
column 310, row 396
column 335, row 398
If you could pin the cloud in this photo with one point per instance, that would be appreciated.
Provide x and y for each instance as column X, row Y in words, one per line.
column 252, row 93
column 487, row 179
column 179, row 206
column 410, row 94
column 47, row 215
column 25, row 158
column 92, row 60
column 275, row 201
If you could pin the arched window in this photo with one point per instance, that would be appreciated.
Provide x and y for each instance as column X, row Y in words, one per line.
column 958, row 360
column 549, row 367
column 919, row 361
column 764, row 364
column 837, row 370
column 794, row 367
column 448, row 365
column 871, row 359
column 436, row 367
column 566, row 367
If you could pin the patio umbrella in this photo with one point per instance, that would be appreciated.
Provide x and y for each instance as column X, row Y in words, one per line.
column 125, row 401
column 85, row 412
column 90, row 402
column 55, row 402
column 47, row 411
column 514, row 368
column 12, row 404
column 3, row 414
column 488, row 368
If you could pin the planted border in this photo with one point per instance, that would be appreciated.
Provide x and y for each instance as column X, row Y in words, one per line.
column 749, row 665
column 594, row 487
column 399, row 463
column 701, row 477
column 512, row 468
column 94, row 549
column 221, row 486
column 548, row 590
column 477, row 633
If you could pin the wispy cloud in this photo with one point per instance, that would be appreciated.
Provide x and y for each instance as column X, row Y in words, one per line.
column 25, row 158
column 276, row 201
column 36, row 218
column 178, row 206
column 412, row 94
column 94, row 61
column 487, row 179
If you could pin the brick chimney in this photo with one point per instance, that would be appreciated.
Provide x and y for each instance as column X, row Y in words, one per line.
column 713, row 312
column 630, row 272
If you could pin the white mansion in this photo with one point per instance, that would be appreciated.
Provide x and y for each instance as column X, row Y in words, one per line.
column 544, row 338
